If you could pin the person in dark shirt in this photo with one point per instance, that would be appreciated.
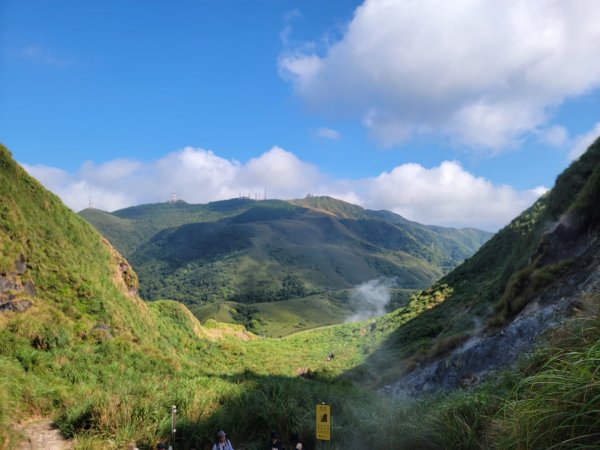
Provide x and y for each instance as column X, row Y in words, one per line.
column 274, row 443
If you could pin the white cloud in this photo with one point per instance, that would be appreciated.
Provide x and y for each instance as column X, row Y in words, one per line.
column 556, row 135
column 442, row 195
column 329, row 133
column 483, row 73
column 281, row 172
column 288, row 17
column 582, row 142
column 447, row 194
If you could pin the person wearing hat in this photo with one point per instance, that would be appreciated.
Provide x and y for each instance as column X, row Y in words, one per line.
column 274, row 443
column 222, row 442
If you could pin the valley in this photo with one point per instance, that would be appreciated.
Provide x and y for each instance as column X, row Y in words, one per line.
column 81, row 348
column 279, row 266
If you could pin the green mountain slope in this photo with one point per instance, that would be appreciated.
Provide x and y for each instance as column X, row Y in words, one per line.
column 545, row 251
column 77, row 345
column 262, row 251
column 536, row 283
column 73, row 334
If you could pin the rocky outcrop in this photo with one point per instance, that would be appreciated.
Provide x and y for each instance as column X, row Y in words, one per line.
column 493, row 349
column 125, row 276
column 16, row 294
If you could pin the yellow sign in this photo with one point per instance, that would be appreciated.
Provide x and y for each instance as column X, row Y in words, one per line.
column 323, row 423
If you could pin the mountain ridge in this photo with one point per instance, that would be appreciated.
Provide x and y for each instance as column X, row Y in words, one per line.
column 248, row 251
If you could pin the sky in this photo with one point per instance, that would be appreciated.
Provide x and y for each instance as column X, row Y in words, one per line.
column 452, row 113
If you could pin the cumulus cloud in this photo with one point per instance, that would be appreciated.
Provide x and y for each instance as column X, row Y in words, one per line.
column 443, row 195
column 582, row 142
column 447, row 191
column 328, row 133
column 481, row 72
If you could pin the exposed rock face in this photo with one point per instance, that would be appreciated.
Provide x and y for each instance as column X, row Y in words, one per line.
column 129, row 277
column 481, row 355
column 125, row 276
column 29, row 288
column 15, row 295
column 15, row 305
column 494, row 349
column 8, row 282
column 21, row 264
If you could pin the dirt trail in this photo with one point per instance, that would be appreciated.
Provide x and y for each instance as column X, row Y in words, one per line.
column 41, row 435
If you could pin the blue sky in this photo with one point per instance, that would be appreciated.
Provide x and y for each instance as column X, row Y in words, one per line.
column 342, row 90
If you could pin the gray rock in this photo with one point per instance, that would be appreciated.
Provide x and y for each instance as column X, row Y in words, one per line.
column 21, row 264
column 30, row 289
column 15, row 305
column 8, row 282
column 5, row 306
column 489, row 350
column 22, row 305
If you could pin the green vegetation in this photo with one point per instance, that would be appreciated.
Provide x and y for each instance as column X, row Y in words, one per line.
column 106, row 366
column 549, row 401
column 243, row 252
column 279, row 318
column 504, row 275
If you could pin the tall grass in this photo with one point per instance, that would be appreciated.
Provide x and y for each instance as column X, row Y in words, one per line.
column 559, row 405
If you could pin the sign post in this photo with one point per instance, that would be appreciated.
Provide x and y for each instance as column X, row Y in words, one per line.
column 173, row 426
column 323, row 428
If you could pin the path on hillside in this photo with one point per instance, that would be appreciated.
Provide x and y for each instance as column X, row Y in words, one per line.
column 41, row 435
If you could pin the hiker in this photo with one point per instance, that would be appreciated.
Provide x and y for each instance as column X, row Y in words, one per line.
column 274, row 443
column 222, row 442
column 296, row 442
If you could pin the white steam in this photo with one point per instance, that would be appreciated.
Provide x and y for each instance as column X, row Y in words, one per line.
column 371, row 298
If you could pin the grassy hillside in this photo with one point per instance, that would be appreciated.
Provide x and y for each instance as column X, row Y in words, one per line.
column 509, row 270
column 276, row 319
column 77, row 345
column 74, row 337
column 244, row 252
